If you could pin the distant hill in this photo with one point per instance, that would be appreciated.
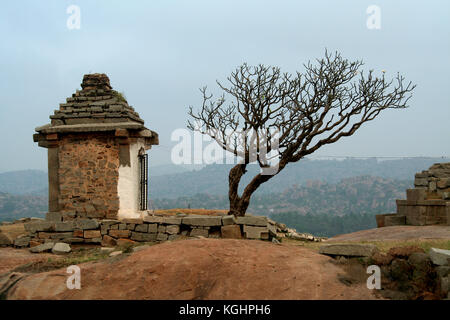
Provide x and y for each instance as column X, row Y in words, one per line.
column 24, row 182
column 13, row 207
column 213, row 179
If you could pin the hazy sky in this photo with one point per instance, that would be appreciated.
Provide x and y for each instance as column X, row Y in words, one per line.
column 160, row 52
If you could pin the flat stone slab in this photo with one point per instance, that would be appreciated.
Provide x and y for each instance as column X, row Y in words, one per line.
column 348, row 250
column 207, row 221
column 42, row 247
column 252, row 221
column 440, row 257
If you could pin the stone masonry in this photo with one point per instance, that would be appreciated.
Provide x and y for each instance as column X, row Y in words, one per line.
column 94, row 141
column 428, row 203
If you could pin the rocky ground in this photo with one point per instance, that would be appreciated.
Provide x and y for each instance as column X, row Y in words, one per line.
column 196, row 269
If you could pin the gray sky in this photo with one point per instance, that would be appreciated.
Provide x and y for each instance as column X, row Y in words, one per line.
column 160, row 52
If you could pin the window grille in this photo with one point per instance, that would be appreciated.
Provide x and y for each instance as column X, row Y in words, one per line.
column 143, row 168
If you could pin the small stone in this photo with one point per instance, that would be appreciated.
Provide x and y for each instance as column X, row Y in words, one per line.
column 107, row 249
column 440, row 257
column 61, row 248
column 42, row 247
column 108, row 241
column 115, row 253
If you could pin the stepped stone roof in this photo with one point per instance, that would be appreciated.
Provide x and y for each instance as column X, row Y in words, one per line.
column 97, row 107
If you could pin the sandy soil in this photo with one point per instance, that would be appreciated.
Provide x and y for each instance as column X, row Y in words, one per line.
column 200, row 269
column 11, row 258
column 396, row 233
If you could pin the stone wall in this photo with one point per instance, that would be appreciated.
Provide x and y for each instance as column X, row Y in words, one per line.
column 427, row 204
column 108, row 232
column 88, row 176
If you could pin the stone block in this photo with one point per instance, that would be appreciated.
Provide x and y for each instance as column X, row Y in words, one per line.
column 93, row 240
column 132, row 220
column 108, row 241
column 122, row 226
column 119, row 233
column 33, row 227
column 231, row 232
column 141, row 228
column 199, row 232
column 153, row 219
column 78, row 233
column 394, row 220
column 162, row 237
column 152, row 228
column 53, row 216
column 161, row 229
column 86, row 224
column 172, row 237
column 141, row 236
column 45, row 247
column 206, row 221
column 22, row 241
column 61, row 235
column 172, row 229
column 421, row 182
column 348, row 250
column 131, row 226
column 64, row 226
column 253, row 221
column 416, row 194
column 252, row 232
column 228, row 220
column 61, row 248
column 90, row 234
column 74, row 240
column 109, row 222
column 440, row 257
column 171, row 220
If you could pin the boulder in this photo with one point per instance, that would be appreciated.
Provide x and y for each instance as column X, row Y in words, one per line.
column 61, row 248
column 42, row 247
column 348, row 250
column 440, row 257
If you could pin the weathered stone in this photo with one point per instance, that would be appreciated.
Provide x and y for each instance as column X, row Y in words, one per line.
column 115, row 253
column 153, row 219
column 34, row 243
column 109, row 222
column 445, row 285
column 42, row 247
column 86, row 224
column 171, row 220
column 152, row 228
column 161, row 237
column 231, row 232
column 122, row 226
column 108, row 241
column 161, row 229
column 61, row 248
column 132, row 220
column 39, row 226
column 64, row 226
column 140, row 248
column 53, row 216
column 229, row 220
column 440, row 257
column 252, row 221
column 22, row 241
column 125, row 242
column 272, row 229
column 172, row 237
column 93, row 240
column 252, row 232
column 120, row 233
column 75, row 240
column 443, row 271
column 5, row 240
column 172, row 229
column 141, row 236
column 206, row 221
column 416, row 194
column 61, row 235
column 89, row 234
column 199, row 232
column 141, row 228
column 348, row 250
column 394, row 220
column 78, row 233
column 215, row 234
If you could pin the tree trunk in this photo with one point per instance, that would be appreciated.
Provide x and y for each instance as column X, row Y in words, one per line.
column 234, row 178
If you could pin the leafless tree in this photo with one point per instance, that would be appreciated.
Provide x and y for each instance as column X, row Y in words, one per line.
column 331, row 99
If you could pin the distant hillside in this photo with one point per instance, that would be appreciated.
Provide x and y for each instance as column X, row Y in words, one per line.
column 24, row 182
column 213, row 179
column 13, row 207
column 357, row 195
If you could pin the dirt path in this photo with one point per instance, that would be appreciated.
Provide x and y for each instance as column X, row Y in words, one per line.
column 396, row 233
column 201, row 269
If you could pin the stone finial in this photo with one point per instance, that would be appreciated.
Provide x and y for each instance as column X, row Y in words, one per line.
column 96, row 81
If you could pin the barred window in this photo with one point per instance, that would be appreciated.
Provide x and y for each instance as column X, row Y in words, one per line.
column 143, row 180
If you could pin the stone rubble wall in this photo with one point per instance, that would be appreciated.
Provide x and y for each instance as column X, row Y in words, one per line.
column 427, row 204
column 110, row 232
column 88, row 176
